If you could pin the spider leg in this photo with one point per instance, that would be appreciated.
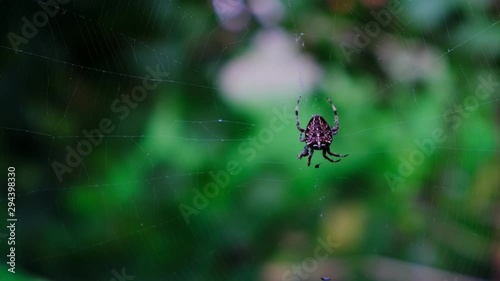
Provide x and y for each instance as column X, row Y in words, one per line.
column 297, row 116
column 304, row 152
column 335, row 129
column 335, row 154
column 300, row 137
column 309, row 158
column 307, row 151
column 326, row 157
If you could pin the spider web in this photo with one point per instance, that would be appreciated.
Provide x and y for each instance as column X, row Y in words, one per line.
column 129, row 206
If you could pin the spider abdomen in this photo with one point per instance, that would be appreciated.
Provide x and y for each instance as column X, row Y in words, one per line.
column 318, row 133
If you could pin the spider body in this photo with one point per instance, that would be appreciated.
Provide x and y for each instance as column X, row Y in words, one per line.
column 318, row 135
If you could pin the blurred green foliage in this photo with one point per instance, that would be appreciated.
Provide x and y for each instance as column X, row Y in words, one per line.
column 122, row 207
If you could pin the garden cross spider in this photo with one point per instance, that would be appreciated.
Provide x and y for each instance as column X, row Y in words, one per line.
column 318, row 135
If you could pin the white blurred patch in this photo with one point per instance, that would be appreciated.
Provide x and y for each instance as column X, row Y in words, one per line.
column 409, row 62
column 272, row 69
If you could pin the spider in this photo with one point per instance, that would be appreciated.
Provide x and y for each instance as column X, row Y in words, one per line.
column 318, row 135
